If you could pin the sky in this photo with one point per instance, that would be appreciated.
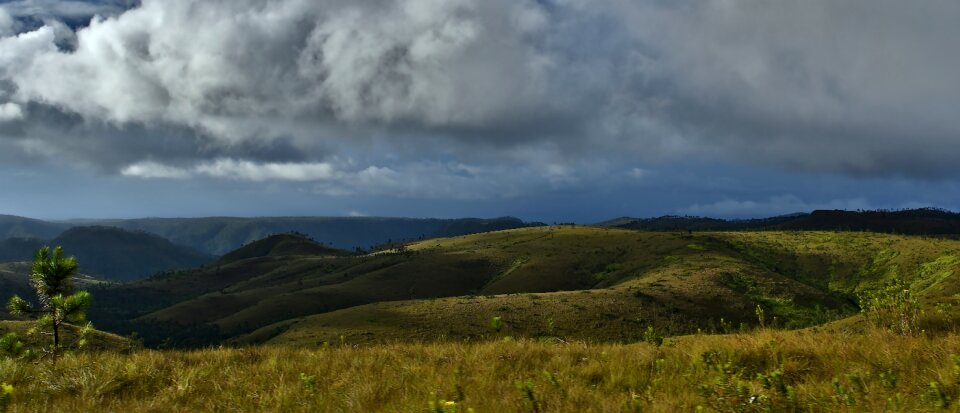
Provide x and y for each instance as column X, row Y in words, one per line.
column 549, row 110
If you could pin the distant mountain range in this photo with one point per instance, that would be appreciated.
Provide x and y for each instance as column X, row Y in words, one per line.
column 128, row 250
column 111, row 253
column 221, row 235
column 926, row 221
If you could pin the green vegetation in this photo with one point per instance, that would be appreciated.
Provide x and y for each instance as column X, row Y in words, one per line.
column 893, row 307
column 854, row 368
column 534, row 320
column 6, row 396
column 52, row 277
column 579, row 283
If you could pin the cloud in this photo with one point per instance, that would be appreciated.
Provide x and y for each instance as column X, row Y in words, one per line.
column 68, row 10
column 7, row 24
column 346, row 178
column 638, row 173
column 10, row 112
column 853, row 87
column 149, row 169
column 250, row 171
column 451, row 64
column 259, row 90
column 236, row 170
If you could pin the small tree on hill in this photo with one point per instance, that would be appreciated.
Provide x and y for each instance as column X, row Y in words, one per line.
column 52, row 276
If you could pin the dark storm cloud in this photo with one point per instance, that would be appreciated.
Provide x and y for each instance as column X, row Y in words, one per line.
column 862, row 87
column 66, row 10
column 362, row 95
column 68, row 137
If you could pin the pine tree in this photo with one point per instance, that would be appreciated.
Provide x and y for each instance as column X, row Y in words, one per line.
column 52, row 276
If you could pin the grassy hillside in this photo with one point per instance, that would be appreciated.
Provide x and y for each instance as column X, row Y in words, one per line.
column 579, row 282
column 820, row 371
column 583, row 312
column 623, row 281
column 97, row 342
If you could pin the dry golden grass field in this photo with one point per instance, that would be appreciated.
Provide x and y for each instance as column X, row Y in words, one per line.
column 847, row 367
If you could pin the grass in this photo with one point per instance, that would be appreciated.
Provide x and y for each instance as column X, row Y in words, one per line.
column 834, row 369
column 583, row 311
column 98, row 341
column 677, row 282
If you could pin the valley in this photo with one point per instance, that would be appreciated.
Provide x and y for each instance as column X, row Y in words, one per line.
column 590, row 283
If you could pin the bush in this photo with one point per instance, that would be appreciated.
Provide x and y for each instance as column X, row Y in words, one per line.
column 6, row 396
column 893, row 307
column 10, row 346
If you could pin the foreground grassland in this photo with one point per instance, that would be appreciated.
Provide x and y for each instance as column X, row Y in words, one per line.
column 834, row 369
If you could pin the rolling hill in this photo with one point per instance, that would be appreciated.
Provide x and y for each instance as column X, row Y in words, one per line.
column 129, row 250
column 280, row 245
column 20, row 227
column 576, row 282
column 221, row 235
column 119, row 255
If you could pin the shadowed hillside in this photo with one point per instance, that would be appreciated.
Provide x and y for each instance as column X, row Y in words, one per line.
column 19, row 227
column 926, row 221
column 583, row 282
column 222, row 235
column 111, row 253
column 280, row 245
column 19, row 249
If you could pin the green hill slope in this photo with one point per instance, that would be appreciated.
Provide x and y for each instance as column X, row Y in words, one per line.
column 96, row 342
column 678, row 284
column 597, row 283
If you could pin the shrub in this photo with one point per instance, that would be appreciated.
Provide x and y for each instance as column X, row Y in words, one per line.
column 496, row 324
column 652, row 336
column 6, row 396
column 893, row 307
column 10, row 346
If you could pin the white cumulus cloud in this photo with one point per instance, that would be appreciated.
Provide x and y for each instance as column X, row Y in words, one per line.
column 10, row 111
column 860, row 87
